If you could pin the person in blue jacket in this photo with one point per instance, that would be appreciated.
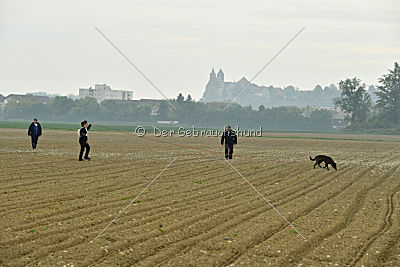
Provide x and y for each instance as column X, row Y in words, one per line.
column 34, row 131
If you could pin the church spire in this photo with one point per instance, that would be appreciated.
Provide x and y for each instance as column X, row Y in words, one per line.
column 220, row 75
column 212, row 75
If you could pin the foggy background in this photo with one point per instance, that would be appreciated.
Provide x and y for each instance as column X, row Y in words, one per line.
column 52, row 46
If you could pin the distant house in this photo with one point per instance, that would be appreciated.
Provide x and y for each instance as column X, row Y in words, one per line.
column 168, row 122
column 147, row 102
column 103, row 92
column 339, row 118
column 44, row 94
column 18, row 98
column 152, row 103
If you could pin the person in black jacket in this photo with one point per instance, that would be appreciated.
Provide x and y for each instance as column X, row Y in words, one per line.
column 230, row 139
column 83, row 140
column 34, row 131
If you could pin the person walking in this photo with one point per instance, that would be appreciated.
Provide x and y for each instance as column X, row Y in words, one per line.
column 83, row 140
column 34, row 131
column 229, row 137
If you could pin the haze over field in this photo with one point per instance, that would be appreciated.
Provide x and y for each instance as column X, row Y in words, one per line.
column 52, row 46
column 195, row 162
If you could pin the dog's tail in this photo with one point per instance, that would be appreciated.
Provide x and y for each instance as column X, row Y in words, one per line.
column 313, row 159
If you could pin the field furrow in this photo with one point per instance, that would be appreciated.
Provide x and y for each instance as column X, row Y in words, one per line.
column 199, row 211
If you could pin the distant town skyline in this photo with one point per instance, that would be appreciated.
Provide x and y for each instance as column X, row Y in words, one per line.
column 53, row 46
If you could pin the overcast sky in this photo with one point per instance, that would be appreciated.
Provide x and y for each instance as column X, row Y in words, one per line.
column 52, row 45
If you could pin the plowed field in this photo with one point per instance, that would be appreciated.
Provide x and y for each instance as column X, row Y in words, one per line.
column 199, row 211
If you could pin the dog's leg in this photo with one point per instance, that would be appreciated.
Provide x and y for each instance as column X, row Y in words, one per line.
column 315, row 165
column 319, row 163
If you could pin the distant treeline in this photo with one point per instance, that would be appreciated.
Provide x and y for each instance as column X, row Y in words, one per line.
column 188, row 112
column 364, row 114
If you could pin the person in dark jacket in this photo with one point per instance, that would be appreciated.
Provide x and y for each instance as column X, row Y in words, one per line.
column 229, row 138
column 34, row 131
column 83, row 140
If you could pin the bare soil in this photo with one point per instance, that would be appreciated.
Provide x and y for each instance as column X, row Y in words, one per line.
column 199, row 212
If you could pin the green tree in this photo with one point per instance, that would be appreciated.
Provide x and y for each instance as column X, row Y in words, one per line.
column 321, row 120
column 189, row 98
column 163, row 110
column 60, row 107
column 143, row 113
column 109, row 110
column 86, row 108
column 180, row 98
column 11, row 110
column 389, row 93
column 354, row 100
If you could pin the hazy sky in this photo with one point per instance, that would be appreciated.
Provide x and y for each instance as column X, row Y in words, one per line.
column 52, row 45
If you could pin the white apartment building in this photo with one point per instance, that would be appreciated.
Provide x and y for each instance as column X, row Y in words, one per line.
column 102, row 92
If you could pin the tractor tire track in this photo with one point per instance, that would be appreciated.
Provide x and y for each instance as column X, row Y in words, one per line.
column 387, row 223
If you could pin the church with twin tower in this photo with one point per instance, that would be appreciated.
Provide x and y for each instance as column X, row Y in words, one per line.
column 216, row 82
column 217, row 90
column 215, row 87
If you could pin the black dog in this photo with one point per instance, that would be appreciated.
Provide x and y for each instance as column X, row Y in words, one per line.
column 322, row 158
